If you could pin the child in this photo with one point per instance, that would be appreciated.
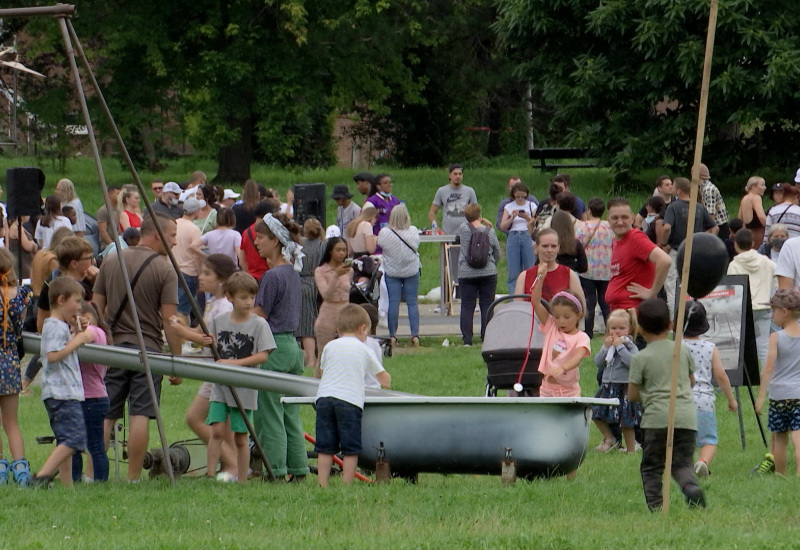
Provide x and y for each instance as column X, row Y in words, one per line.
column 781, row 377
column 95, row 403
column 614, row 361
column 373, row 343
column 62, row 388
column 708, row 363
column 564, row 345
column 650, row 381
column 70, row 213
column 243, row 339
column 14, row 301
column 340, row 397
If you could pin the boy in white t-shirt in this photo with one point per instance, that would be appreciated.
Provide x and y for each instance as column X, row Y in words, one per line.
column 340, row 397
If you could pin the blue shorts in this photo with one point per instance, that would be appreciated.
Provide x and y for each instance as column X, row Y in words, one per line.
column 66, row 421
column 338, row 427
column 706, row 428
column 784, row 415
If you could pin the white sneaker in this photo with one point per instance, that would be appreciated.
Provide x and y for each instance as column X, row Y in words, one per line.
column 701, row 468
column 437, row 309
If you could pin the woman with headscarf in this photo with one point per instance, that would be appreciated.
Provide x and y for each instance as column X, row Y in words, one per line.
column 279, row 299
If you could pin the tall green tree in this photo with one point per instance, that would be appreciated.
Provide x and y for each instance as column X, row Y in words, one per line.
column 623, row 77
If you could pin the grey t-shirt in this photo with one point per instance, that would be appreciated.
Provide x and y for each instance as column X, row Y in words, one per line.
column 279, row 296
column 62, row 379
column 677, row 216
column 237, row 341
column 346, row 214
column 785, row 381
column 452, row 202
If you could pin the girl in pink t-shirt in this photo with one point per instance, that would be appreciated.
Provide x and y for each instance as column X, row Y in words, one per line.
column 95, row 404
column 564, row 345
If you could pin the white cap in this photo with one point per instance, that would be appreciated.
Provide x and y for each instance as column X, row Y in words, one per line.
column 333, row 231
column 230, row 194
column 797, row 176
column 172, row 187
column 188, row 193
column 192, row 205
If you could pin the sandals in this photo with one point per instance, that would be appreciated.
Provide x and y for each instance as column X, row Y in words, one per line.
column 22, row 472
column 607, row 446
column 415, row 341
column 3, row 472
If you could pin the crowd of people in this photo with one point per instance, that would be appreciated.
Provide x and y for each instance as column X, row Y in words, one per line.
column 275, row 295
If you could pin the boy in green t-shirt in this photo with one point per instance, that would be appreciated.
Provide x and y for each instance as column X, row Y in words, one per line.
column 650, row 383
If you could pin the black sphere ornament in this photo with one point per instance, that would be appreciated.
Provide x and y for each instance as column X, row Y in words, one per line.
column 709, row 264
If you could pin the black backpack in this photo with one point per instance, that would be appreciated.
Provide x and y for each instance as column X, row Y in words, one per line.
column 479, row 246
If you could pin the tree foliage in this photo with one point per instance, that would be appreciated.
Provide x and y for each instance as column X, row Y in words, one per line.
column 623, row 77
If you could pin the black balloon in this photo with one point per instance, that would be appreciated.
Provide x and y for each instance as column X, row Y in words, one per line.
column 709, row 264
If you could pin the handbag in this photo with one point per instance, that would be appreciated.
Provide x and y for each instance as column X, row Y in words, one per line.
column 414, row 250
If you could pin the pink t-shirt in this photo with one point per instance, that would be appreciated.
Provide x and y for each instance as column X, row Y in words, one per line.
column 93, row 374
column 557, row 346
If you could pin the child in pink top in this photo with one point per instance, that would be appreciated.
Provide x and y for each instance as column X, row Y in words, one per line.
column 564, row 346
column 95, row 405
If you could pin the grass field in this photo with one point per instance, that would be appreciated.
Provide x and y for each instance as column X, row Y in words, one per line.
column 603, row 508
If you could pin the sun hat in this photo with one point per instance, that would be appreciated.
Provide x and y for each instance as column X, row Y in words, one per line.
column 696, row 319
column 341, row 192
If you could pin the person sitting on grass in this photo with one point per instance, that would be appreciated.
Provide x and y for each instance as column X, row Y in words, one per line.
column 708, row 364
column 340, row 397
column 62, row 387
column 781, row 380
column 650, row 383
column 244, row 339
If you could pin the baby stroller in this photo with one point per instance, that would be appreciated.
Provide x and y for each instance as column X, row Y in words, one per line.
column 508, row 328
column 365, row 287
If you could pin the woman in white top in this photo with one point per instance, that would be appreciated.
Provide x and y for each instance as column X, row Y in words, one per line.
column 400, row 243
column 361, row 240
column 65, row 190
column 518, row 220
column 51, row 221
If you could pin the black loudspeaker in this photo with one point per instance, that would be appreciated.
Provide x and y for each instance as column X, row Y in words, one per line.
column 24, row 188
column 309, row 202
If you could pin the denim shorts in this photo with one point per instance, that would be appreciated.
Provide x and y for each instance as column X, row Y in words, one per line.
column 784, row 415
column 66, row 421
column 338, row 427
column 706, row 428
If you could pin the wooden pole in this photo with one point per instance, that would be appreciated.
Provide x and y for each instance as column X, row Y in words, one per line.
column 687, row 256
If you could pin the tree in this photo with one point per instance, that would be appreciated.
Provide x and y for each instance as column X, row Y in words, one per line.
column 623, row 77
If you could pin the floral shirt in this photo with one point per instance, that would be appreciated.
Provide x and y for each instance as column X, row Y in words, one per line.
column 598, row 250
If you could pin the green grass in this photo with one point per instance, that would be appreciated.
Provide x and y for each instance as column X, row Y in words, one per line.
column 603, row 508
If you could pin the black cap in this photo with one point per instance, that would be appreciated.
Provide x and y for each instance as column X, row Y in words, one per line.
column 364, row 176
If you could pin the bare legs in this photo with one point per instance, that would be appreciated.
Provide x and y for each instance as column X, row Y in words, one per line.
column 196, row 420
column 325, row 462
column 309, row 351
column 8, row 419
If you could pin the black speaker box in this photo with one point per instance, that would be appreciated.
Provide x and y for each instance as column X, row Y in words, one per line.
column 309, row 202
column 24, row 189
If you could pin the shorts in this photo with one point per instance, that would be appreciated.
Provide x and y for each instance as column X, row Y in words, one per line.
column 557, row 390
column 338, row 427
column 125, row 384
column 219, row 412
column 627, row 414
column 204, row 390
column 784, row 415
column 706, row 428
column 66, row 421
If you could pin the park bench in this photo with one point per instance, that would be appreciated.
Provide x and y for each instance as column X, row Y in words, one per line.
column 544, row 153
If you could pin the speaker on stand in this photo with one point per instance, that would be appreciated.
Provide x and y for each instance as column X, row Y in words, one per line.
column 309, row 202
column 24, row 189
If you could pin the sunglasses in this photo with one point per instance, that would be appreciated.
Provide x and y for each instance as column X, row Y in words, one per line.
column 158, row 188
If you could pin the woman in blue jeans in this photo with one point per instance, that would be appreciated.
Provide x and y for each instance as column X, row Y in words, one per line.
column 399, row 241
column 518, row 220
column 477, row 284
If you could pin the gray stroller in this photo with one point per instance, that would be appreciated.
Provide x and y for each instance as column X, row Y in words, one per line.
column 505, row 339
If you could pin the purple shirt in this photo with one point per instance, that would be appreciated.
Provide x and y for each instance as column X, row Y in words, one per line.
column 384, row 208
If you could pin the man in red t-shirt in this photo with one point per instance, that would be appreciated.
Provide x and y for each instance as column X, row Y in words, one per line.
column 638, row 267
